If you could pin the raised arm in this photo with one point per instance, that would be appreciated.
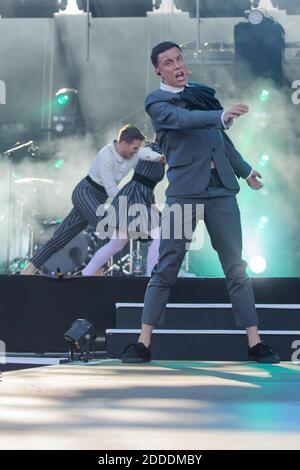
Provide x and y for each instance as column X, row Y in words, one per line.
column 170, row 117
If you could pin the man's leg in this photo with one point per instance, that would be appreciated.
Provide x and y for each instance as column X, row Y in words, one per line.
column 222, row 219
column 164, row 275
column 86, row 200
column 72, row 225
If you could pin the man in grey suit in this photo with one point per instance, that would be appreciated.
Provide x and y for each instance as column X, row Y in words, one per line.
column 189, row 122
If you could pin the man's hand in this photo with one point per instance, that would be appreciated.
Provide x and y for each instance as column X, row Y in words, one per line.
column 162, row 159
column 234, row 112
column 253, row 182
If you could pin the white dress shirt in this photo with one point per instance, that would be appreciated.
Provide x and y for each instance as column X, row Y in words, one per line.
column 109, row 167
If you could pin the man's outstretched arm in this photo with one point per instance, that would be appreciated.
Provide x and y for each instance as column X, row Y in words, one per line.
column 167, row 116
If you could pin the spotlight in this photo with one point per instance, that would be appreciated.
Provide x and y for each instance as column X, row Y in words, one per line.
column 257, row 264
column 67, row 117
column 259, row 50
column 31, row 8
column 118, row 8
column 255, row 16
column 63, row 99
column 264, row 160
column 215, row 8
column 59, row 163
column 264, row 95
column 79, row 337
column 263, row 221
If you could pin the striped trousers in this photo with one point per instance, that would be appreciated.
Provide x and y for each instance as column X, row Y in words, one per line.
column 86, row 199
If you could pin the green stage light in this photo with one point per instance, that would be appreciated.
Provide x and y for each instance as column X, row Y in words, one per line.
column 257, row 264
column 67, row 118
column 264, row 159
column 262, row 221
column 63, row 99
column 59, row 163
column 264, row 95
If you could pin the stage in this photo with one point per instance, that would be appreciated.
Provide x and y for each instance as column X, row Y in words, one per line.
column 213, row 403
column 71, row 143
column 36, row 311
column 163, row 405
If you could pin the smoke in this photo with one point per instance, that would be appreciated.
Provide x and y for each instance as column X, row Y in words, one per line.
column 112, row 86
column 37, row 191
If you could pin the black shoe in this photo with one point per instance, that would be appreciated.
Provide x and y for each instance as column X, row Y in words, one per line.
column 136, row 353
column 263, row 354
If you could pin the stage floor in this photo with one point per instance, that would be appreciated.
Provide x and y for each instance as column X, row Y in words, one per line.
column 162, row 405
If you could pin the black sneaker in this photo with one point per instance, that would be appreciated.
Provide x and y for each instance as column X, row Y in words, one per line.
column 263, row 354
column 136, row 353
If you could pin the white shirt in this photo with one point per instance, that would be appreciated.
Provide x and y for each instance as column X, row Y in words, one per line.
column 109, row 167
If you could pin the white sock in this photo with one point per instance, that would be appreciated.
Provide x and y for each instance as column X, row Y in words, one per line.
column 103, row 254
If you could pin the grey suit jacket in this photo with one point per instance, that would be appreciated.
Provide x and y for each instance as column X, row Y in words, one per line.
column 190, row 140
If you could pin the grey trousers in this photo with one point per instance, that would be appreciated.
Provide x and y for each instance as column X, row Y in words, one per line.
column 222, row 220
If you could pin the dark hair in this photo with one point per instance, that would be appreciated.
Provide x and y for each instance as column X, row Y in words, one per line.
column 162, row 47
column 129, row 133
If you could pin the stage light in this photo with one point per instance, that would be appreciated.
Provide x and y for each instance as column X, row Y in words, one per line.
column 215, row 8
column 264, row 95
column 67, row 117
column 118, row 8
column 63, row 99
column 59, row 163
column 255, row 16
column 264, row 159
column 31, row 8
column 259, row 51
column 79, row 337
column 292, row 7
column 263, row 221
column 257, row 264
column 59, row 127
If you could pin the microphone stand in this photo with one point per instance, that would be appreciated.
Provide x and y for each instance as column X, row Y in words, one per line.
column 8, row 154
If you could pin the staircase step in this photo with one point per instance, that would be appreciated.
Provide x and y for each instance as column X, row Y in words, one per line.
column 203, row 345
column 210, row 316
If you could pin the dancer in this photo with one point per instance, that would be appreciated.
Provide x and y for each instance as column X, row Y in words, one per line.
column 138, row 196
column 189, row 122
column 112, row 163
